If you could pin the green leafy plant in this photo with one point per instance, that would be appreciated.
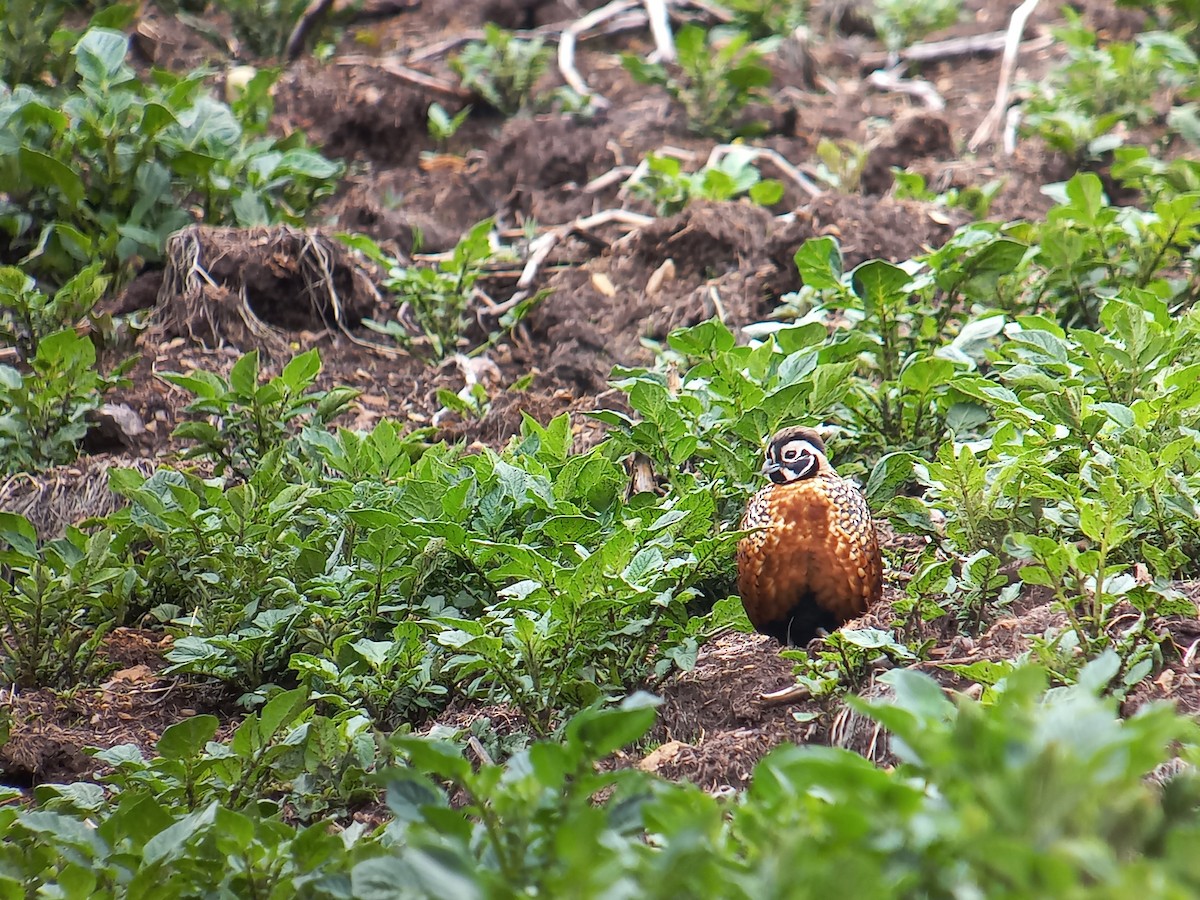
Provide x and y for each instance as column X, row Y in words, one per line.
column 841, row 164
column 394, row 680
column 1076, row 109
column 106, row 169
column 441, row 125
column 35, row 44
column 503, row 69
column 318, row 763
column 919, row 338
column 714, row 80
column 975, row 200
column 435, row 298
column 900, row 22
column 768, row 18
column 245, row 417
column 58, row 599
column 670, row 189
column 1089, row 248
column 263, row 26
column 1180, row 15
column 46, row 408
column 27, row 315
column 846, row 659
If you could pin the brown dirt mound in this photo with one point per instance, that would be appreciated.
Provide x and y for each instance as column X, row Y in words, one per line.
column 66, row 495
column 253, row 287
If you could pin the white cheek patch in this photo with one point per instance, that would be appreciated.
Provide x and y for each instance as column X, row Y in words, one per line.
column 801, row 468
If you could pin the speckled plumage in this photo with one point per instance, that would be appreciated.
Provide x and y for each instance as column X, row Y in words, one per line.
column 814, row 563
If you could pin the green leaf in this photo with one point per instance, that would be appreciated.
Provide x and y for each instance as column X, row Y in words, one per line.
column 603, row 731
column 243, row 377
column 185, row 740
column 819, row 261
column 46, row 171
column 100, row 55
column 301, row 371
column 879, row 284
column 767, row 192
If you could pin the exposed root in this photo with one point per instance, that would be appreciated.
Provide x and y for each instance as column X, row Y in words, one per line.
column 258, row 287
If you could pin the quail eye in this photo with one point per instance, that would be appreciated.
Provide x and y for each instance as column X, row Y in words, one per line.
column 791, row 454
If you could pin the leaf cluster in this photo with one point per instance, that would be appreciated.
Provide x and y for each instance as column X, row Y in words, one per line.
column 57, row 601
column 45, row 408
column 104, row 168
column 1028, row 793
column 715, row 78
column 503, row 70
column 664, row 183
column 1078, row 107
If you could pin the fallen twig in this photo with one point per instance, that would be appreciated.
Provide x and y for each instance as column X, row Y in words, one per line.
column 404, row 73
column 615, row 175
column 935, row 51
column 309, row 19
column 889, row 80
column 1008, row 65
column 550, row 33
column 540, row 247
column 566, row 47
column 801, row 180
column 660, row 27
column 712, row 10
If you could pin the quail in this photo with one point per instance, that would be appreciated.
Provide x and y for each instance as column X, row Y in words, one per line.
column 812, row 562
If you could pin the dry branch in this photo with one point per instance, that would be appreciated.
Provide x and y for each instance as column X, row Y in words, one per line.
column 309, row 19
column 404, row 73
column 1008, row 65
column 889, row 80
column 539, row 248
column 801, row 180
column 566, row 46
column 936, row 51
column 660, row 27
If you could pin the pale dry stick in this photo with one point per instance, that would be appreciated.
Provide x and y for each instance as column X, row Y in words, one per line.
column 1008, row 65
column 713, row 10
column 433, row 51
column 801, row 180
column 937, row 51
column 613, row 176
column 889, row 80
column 480, row 751
column 1012, row 121
column 551, row 32
column 660, row 27
column 791, row 694
column 539, row 248
column 714, row 297
column 404, row 73
column 566, row 47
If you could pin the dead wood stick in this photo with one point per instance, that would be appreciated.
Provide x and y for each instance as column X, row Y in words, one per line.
column 309, row 19
column 801, row 180
column 935, row 51
column 889, row 80
column 613, row 176
column 404, row 73
column 540, row 248
column 1008, row 65
column 713, row 10
column 566, row 47
column 660, row 27
column 552, row 33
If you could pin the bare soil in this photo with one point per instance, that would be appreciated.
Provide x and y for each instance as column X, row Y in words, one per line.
column 532, row 172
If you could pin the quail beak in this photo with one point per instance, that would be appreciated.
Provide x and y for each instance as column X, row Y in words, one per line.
column 770, row 468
